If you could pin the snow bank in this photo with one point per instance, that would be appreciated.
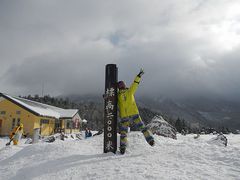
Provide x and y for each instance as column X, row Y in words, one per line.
column 185, row 158
column 161, row 127
column 219, row 140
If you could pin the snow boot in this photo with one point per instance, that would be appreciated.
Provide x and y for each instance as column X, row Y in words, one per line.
column 122, row 150
column 151, row 142
column 148, row 136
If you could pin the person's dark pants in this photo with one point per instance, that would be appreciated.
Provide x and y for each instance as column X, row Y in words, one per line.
column 138, row 123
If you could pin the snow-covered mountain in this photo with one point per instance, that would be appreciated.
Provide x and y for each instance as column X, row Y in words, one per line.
column 162, row 128
column 198, row 111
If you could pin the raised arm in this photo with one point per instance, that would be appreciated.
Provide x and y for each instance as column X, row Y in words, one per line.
column 136, row 82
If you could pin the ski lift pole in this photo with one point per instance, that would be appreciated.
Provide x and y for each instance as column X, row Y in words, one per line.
column 110, row 109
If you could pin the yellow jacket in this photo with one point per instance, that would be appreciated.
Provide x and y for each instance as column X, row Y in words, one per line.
column 126, row 101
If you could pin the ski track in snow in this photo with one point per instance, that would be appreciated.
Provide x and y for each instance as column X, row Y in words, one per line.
column 184, row 158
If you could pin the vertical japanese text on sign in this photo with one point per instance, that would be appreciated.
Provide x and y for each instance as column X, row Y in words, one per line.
column 110, row 109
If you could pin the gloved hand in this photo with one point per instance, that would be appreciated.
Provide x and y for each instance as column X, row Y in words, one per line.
column 140, row 73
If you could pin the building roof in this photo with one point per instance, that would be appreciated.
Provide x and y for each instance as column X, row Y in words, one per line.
column 41, row 109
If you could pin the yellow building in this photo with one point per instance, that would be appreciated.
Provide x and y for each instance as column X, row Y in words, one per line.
column 49, row 119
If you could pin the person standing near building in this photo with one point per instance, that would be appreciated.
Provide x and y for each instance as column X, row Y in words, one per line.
column 16, row 134
column 88, row 133
column 129, row 114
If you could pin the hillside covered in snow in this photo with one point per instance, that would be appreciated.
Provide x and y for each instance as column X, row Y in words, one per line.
column 184, row 158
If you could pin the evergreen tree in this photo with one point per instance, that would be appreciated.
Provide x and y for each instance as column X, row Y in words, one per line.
column 178, row 125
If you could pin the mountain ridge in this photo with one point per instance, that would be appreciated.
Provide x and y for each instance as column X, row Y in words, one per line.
column 197, row 111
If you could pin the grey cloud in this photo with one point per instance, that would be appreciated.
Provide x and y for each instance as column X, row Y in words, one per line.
column 185, row 48
column 74, row 72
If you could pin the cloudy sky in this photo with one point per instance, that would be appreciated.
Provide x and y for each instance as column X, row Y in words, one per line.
column 187, row 47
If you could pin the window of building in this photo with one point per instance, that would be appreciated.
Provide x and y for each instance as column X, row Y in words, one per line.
column 2, row 112
column 18, row 121
column 69, row 124
column 57, row 123
column 44, row 121
column 13, row 123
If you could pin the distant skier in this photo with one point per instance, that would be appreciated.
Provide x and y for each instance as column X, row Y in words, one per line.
column 88, row 133
column 129, row 113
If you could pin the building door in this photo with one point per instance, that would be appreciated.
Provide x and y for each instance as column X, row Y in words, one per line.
column 44, row 127
column 57, row 126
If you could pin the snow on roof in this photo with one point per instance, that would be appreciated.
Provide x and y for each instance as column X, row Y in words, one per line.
column 84, row 121
column 43, row 109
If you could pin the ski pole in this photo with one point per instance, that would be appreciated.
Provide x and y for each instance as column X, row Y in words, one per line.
column 9, row 142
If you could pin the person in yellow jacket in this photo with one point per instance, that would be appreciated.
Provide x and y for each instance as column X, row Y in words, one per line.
column 129, row 114
column 16, row 134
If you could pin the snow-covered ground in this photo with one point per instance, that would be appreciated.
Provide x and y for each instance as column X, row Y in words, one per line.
column 184, row 158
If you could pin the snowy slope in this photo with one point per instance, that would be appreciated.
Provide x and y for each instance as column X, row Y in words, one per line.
column 185, row 158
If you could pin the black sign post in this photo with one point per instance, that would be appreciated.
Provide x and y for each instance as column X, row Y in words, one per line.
column 110, row 109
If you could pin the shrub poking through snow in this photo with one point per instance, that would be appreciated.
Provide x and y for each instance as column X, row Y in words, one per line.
column 162, row 128
column 197, row 136
column 220, row 139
